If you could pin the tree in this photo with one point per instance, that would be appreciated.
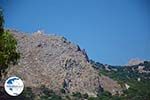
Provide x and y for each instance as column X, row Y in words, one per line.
column 8, row 46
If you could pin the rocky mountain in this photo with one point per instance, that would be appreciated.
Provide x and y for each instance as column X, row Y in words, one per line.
column 57, row 63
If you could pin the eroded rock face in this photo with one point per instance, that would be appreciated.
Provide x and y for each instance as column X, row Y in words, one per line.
column 56, row 63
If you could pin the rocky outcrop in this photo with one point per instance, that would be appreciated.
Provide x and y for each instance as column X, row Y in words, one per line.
column 134, row 61
column 57, row 63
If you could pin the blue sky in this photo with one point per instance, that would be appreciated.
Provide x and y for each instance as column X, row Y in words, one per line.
column 111, row 31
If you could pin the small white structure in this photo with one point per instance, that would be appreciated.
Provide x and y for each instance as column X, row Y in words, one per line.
column 141, row 69
column 139, row 79
column 39, row 31
column 127, row 86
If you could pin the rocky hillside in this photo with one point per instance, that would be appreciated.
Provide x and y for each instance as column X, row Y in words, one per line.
column 58, row 64
column 134, row 79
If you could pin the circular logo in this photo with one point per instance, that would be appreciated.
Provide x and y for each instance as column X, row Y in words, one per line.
column 14, row 86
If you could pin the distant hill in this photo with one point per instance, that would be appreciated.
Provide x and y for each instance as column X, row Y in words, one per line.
column 134, row 78
column 141, row 70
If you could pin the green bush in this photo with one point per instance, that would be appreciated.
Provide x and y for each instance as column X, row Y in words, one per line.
column 77, row 94
column 26, row 95
column 62, row 91
column 85, row 96
column 8, row 53
column 48, row 94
